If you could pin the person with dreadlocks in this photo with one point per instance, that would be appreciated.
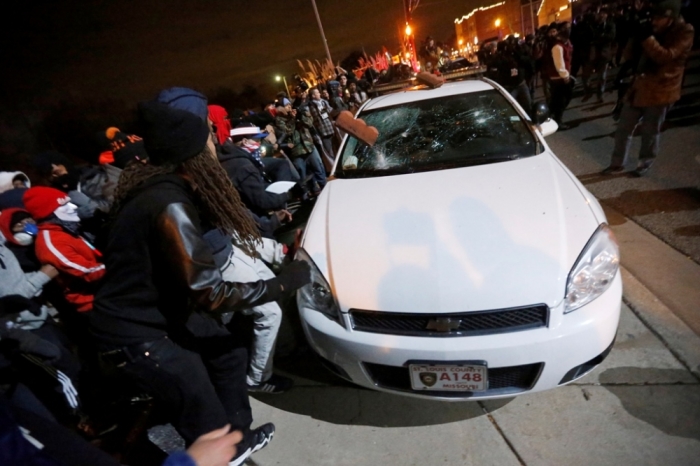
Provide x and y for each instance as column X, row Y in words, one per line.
column 155, row 316
column 235, row 264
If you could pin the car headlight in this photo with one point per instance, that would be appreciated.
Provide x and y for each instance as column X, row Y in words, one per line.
column 594, row 270
column 317, row 295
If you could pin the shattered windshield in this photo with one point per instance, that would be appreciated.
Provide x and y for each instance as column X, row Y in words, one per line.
column 447, row 132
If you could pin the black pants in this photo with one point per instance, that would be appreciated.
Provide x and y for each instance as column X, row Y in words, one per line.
column 560, row 97
column 204, row 387
column 279, row 169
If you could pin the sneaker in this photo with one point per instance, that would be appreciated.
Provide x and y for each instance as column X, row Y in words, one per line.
column 274, row 385
column 613, row 170
column 643, row 167
column 599, row 98
column 586, row 97
column 256, row 440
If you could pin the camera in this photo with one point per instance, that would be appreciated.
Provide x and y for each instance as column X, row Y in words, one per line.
column 301, row 83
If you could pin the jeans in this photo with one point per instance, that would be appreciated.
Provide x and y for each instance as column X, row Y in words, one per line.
column 311, row 163
column 203, row 388
column 596, row 69
column 521, row 93
column 651, row 119
column 266, row 317
column 327, row 142
column 279, row 169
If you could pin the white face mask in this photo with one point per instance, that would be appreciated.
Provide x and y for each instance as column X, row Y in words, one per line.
column 67, row 212
column 23, row 239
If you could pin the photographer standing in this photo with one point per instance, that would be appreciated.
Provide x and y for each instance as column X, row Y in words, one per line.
column 665, row 42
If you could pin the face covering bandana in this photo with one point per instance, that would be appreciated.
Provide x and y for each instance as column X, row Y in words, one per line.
column 67, row 213
column 253, row 148
column 27, row 235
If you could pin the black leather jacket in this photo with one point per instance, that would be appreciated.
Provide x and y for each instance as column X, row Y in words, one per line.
column 160, row 270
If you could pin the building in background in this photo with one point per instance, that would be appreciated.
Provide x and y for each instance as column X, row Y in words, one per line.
column 497, row 20
column 554, row 11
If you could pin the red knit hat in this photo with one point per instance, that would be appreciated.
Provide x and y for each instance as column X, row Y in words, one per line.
column 41, row 201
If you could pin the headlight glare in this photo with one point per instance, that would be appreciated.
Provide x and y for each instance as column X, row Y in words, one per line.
column 594, row 271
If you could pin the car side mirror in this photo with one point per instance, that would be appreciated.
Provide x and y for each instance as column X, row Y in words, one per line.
column 539, row 113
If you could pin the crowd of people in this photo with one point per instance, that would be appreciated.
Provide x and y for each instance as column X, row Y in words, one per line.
column 157, row 271
column 648, row 42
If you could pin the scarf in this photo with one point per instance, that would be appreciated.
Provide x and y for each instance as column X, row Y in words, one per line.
column 253, row 148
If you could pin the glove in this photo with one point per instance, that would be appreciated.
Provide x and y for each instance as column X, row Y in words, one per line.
column 294, row 276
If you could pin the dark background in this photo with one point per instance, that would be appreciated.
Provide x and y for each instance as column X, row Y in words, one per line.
column 72, row 68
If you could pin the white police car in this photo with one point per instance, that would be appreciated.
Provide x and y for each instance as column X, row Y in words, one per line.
column 458, row 258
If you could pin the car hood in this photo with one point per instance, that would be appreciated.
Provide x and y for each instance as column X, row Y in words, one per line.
column 466, row 239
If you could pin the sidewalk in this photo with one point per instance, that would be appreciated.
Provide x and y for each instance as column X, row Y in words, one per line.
column 641, row 406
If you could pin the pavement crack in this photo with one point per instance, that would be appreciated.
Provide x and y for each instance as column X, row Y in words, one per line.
column 663, row 341
column 501, row 433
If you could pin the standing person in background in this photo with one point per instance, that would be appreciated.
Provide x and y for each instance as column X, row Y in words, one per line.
column 356, row 97
column 596, row 68
column 557, row 67
column 665, row 43
column 321, row 113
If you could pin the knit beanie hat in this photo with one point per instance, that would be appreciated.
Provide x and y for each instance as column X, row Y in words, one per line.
column 41, row 201
column 185, row 99
column 171, row 135
column 125, row 147
column 670, row 8
column 44, row 161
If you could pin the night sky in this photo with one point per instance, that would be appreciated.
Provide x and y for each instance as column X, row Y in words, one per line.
column 130, row 49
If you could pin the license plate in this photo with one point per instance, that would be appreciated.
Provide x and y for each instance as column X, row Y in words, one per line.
column 468, row 377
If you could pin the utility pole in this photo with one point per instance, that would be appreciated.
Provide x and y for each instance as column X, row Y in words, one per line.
column 323, row 35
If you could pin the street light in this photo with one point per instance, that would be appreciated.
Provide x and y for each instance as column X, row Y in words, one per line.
column 279, row 78
column 408, row 29
column 498, row 22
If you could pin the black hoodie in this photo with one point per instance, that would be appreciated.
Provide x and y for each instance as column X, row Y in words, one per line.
column 249, row 181
column 160, row 270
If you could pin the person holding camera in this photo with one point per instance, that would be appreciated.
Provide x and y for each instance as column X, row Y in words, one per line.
column 663, row 42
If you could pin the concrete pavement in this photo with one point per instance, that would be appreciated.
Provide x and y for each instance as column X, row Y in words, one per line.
column 641, row 406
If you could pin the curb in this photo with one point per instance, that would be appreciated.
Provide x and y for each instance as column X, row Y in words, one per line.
column 680, row 339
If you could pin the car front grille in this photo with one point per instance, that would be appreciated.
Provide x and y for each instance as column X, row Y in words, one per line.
column 451, row 325
column 502, row 380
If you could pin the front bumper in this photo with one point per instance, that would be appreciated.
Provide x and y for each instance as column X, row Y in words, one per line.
column 519, row 362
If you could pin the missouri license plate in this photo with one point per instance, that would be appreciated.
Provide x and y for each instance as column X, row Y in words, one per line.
column 468, row 377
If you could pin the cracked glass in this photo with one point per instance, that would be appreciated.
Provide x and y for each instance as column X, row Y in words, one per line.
column 435, row 134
